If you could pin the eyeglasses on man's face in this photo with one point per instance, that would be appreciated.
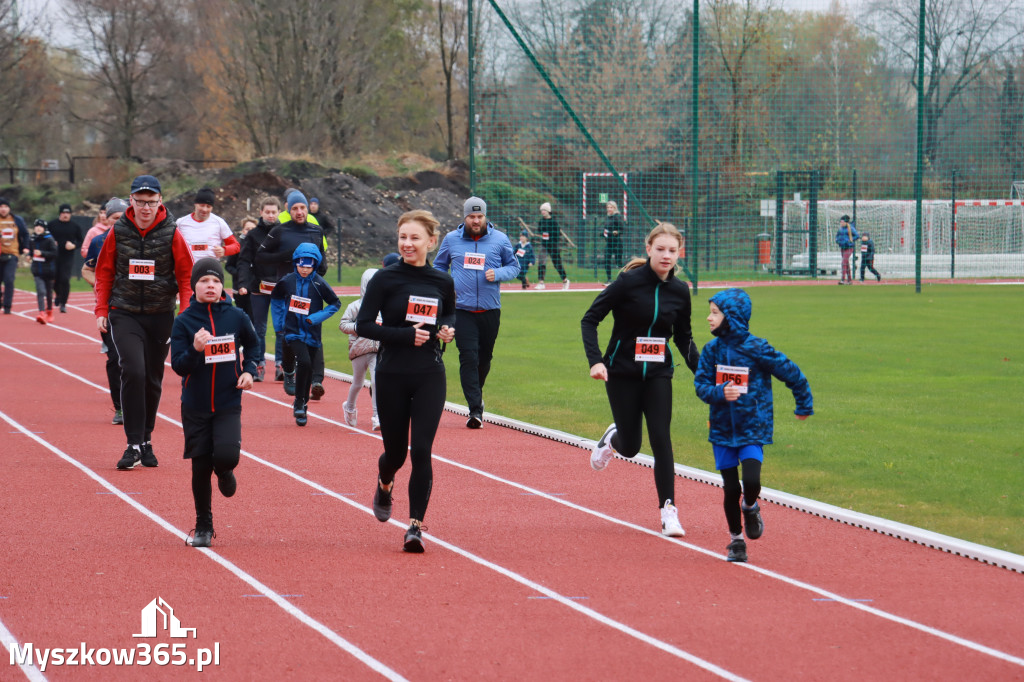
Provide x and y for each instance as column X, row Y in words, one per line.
column 146, row 204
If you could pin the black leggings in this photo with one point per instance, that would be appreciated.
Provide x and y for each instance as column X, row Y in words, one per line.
column 306, row 359
column 141, row 342
column 556, row 261
column 416, row 400
column 213, row 441
column 113, row 370
column 289, row 360
column 44, row 293
column 749, row 491
column 631, row 401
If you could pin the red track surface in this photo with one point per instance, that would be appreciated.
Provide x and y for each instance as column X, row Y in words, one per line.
column 536, row 566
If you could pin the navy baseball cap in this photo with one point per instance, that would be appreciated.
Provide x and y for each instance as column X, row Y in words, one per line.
column 145, row 183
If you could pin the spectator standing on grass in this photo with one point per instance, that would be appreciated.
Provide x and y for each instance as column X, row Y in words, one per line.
column 145, row 264
column 417, row 308
column 867, row 256
column 613, row 232
column 277, row 250
column 207, row 344
column 550, row 245
column 242, row 299
column 257, row 280
column 363, row 355
column 524, row 256
column 480, row 258
column 734, row 378
column 846, row 238
column 14, row 241
column 69, row 239
column 44, row 269
column 650, row 307
column 207, row 234
column 114, row 209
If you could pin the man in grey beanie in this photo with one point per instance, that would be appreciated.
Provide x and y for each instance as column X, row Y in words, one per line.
column 480, row 257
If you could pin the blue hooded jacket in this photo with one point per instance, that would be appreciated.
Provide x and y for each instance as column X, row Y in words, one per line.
column 472, row 290
column 843, row 236
column 750, row 419
column 295, row 326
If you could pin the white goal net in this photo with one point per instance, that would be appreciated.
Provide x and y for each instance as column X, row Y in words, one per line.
column 988, row 236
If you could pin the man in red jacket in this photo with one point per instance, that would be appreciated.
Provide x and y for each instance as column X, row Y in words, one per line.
column 144, row 265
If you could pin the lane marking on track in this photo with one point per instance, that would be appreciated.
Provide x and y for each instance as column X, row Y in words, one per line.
column 793, row 582
column 8, row 641
column 265, row 591
column 501, row 570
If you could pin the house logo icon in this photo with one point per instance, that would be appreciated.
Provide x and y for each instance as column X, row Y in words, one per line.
column 151, row 620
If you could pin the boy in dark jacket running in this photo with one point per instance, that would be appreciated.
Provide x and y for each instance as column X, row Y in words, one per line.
column 44, row 269
column 208, row 341
column 734, row 376
column 297, row 304
column 867, row 256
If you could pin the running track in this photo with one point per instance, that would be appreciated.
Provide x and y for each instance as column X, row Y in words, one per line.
column 536, row 567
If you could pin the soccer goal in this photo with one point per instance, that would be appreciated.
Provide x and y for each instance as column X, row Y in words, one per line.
column 973, row 238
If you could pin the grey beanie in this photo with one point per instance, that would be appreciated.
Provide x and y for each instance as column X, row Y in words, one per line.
column 116, row 205
column 474, row 205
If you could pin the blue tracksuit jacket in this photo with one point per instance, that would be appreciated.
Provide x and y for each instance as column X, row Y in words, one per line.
column 472, row 290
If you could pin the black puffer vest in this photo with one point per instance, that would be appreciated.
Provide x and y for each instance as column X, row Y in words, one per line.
column 141, row 296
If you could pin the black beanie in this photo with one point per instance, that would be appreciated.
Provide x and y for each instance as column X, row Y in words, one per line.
column 204, row 267
column 204, row 196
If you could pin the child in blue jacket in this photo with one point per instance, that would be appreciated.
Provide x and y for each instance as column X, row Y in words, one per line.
column 215, row 350
column 734, row 376
column 298, row 306
column 524, row 255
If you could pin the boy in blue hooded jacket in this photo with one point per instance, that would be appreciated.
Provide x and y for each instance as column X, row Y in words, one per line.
column 298, row 307
column 734, row 376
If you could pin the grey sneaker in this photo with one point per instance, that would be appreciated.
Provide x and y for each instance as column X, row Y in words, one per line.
column 752, row 522
column 118, row 417
column 737, row 551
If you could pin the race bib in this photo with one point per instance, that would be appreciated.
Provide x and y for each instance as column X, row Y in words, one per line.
column 139, row 269
column 422, row 309
column 299, row 305
column 7, row 233
column 520, row 253
column 266, row 287
column 220, row 349
column 863, row 248
column 545, row 236
column 739, row 376
column 199, row 246
column 39, row 259
column 650, row 349
column 474, row 261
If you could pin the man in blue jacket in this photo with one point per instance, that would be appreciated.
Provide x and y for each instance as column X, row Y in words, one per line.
column 846, row 238
column 480, row 258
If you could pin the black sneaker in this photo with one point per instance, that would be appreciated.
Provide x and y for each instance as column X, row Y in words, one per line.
column 475, row 420
column 413, row 540
column 227, row 484
column 382, row 502
column 300, row 415
column 752, row 521
column 737, row 551
column 118, row 417
column 132, row 455
column 317, row 391
column 201, row 537
column 278, row 373
column 289, row 383
column 148, row 458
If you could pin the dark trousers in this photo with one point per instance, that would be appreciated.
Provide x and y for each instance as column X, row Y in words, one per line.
column 113, row 370
column 142, row 347
column 213, row 441
column 44, row 292
column 8, row 269
column 305, row 360
column 475, row 336
column 870, row 265
column 631, row 401
column 612, row 258
column 62, row 284
column 749, row 491
column 260, row 311
column 409, row 407
column 556, row 262
column 244, row 303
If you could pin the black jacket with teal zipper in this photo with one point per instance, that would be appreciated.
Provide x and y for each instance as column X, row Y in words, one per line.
column 642, row 305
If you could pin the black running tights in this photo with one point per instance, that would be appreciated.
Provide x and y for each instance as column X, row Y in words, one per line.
column 749, row 491
column 213, row 441
column 631, row 401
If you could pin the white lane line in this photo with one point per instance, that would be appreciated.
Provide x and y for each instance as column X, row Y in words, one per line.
column 567, row 601
column 821, row 592
column 8, row 641
column 262, row 589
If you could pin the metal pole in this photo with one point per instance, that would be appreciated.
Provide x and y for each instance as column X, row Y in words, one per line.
column 694, row 140
column 471, row 63
column 338, row 240
column 812, row 226
column 952, row 229
column 918, row 179
column 779, row 189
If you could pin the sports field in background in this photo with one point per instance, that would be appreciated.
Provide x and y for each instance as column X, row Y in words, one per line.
column 918, row 397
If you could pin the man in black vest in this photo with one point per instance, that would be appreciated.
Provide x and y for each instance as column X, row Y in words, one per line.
column 145, row 263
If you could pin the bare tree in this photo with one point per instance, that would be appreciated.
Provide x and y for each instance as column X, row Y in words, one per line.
column 963, row 39
column 451, row 21
column 21, row 61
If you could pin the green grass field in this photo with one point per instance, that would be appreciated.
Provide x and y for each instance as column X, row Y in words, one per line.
column 919, row 398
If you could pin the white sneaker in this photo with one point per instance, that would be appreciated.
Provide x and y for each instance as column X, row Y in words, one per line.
column 350, row 416
column 540, row 285
column 565, row 285
column 670, row 521
column 375, row 424
column 603, row 451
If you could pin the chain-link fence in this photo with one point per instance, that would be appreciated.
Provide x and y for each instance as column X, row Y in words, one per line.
column 754, row 127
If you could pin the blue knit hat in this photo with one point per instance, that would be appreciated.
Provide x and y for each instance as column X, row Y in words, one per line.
column 297, row 197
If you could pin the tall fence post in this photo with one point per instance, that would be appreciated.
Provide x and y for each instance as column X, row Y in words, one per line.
column 471, row 63
column 694, row 141
column 918, row 174
column 952, row 228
